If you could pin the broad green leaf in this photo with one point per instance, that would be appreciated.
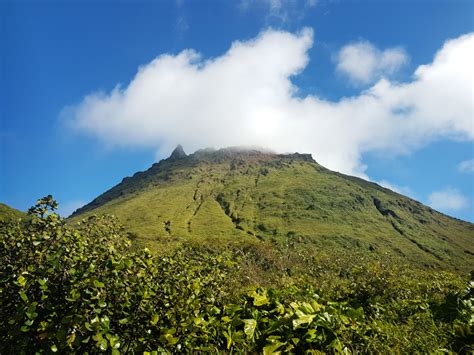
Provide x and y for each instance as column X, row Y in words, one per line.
column 154, row 318
column 23, row 296
column 259, row 299
column 302, row 319
column 171, row 340
column 249, row 327
column 21, row 281
column 99, row 284
column 272, row 348
column 229, row 339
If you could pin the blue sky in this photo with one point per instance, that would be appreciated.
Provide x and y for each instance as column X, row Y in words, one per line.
column 315, row 76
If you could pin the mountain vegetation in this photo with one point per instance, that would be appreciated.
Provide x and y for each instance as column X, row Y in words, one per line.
column 9, row 213
column 237, row 251
column 235, row 196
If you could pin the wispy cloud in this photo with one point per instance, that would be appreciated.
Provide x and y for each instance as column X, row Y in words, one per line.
column 246, row 97
column 182, row 24
column 279, row 10
column 363, row 63
column 448, row 199
column 404, row 190
column 466, row 166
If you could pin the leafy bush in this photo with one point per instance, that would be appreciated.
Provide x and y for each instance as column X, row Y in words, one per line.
column 84, row 289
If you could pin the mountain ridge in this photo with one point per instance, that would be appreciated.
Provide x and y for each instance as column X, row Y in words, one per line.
column 244, row 195
column 200, row 154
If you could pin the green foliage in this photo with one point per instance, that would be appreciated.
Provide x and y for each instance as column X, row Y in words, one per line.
column 83, row 288
column 263, row 323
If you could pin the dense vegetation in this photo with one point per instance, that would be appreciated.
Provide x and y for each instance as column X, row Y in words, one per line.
column 85, row 288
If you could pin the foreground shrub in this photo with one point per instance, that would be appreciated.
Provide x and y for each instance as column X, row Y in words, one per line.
column 84, row 289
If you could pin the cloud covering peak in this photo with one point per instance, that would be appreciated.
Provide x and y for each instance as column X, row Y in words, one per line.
column 246, row 97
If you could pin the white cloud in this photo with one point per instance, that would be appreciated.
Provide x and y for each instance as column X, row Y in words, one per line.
column 466, row 166
column 404, row 190
column 448, row 199
column 246, row 97
column 363, row 63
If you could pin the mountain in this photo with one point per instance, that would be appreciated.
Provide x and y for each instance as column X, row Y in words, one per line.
column 8, row 213
column 238, row 196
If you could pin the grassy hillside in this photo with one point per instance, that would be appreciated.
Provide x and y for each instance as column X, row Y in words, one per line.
column 230, row 198
column 9, row 213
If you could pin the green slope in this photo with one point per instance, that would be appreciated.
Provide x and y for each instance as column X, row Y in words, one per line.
column 236, row 196
column 9, row 213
